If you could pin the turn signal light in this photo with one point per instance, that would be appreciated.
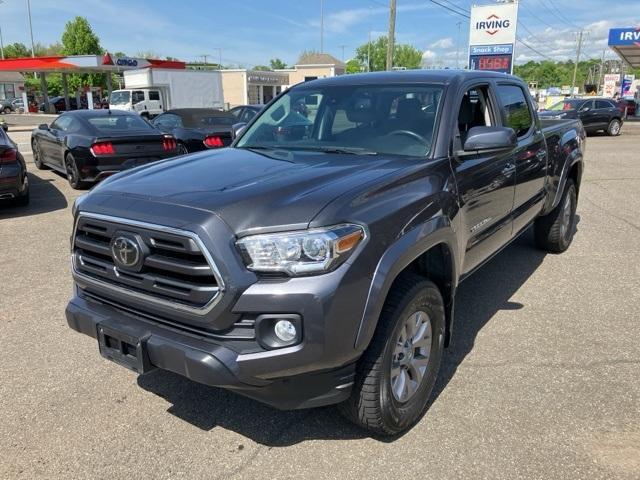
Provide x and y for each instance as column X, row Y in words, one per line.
column 213, row 141
column 102, row 148
column 169, row 144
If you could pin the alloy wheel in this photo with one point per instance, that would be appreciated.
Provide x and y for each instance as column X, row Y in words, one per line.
column 411, row 356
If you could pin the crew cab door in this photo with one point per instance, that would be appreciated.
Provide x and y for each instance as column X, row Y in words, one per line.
column 588, row 115
column 485, row 180
column 530, row 156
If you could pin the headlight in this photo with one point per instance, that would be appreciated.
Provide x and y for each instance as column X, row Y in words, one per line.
column 306, row 252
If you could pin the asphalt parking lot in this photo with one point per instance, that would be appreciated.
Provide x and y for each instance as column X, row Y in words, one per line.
column 543, row 380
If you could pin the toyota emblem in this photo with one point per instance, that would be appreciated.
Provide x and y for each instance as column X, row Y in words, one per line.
column 125, row 252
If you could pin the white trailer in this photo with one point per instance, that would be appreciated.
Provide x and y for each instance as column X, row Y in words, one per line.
column 150, row 91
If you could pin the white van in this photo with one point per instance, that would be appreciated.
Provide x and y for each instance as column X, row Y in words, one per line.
column 146, row 101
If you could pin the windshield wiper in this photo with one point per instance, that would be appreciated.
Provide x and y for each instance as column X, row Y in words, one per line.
column 342, row 150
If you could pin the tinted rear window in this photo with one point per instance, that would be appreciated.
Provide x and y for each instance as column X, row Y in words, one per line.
column 118, row 123
column 203, row 120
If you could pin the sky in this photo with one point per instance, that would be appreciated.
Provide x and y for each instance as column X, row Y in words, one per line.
column 250, row 32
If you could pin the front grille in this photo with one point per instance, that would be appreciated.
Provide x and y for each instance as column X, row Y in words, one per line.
column 174, row 267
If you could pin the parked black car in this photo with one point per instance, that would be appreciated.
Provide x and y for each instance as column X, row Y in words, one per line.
column 14, row 183
column 88, row 145
column 196, row 129
column 244, row 113
column 596, row 114
column 59, row 104
column 316, row 260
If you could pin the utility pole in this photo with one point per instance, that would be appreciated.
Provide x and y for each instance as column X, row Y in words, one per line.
column 219, row 49
column 342, row 47
column 458, row 46
column 33, row 49
column 369, row 53
column 321, row 26
column 392, row 33
column 601, row 76
column 1, row 43
column 575, row 67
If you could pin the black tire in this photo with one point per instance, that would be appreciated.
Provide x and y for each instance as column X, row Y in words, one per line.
column 554, row 232
column 6, row 110
column 73, row 175
column 373, row 404
column 37, row 155
column 613, row 129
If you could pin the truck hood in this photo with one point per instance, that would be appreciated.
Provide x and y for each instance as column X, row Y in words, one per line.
column 251, row 190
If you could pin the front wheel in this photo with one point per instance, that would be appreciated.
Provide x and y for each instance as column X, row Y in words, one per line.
column 37, row 155
column 396, row 374
column 614, row 128
column 6, row 110
column 554, row 232
column 73, row 174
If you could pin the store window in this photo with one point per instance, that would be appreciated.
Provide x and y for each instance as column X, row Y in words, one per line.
column 7, row 91
column 253, row 94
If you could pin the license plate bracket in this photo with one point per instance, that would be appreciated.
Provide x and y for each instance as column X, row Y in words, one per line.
column 124, row 349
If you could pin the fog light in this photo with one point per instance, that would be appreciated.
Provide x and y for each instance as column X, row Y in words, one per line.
column 285, row 330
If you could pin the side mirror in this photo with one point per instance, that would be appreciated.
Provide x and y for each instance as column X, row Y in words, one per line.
column 43, row 126
column 490, row 138
column 237, row 129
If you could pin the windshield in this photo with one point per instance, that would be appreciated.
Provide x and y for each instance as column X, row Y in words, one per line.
column 368, row 119
column 120, row 97
column 565, row 105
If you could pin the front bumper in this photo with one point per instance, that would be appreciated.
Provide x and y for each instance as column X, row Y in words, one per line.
column 213, row 363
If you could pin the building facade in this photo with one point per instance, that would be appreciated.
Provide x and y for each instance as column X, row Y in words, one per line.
column 11, row 85
column 252, row 87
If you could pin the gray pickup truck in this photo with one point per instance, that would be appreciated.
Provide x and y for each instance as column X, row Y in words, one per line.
column 316, row 260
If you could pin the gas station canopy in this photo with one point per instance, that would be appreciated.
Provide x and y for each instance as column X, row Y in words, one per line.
column 626, row 43
column 83, row 64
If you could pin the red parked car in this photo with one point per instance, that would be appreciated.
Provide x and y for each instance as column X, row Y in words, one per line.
column 629, row 104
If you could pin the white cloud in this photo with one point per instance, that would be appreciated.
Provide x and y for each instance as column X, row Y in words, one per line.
column 443, row 43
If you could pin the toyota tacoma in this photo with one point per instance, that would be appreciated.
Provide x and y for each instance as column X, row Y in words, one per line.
column 316, row 260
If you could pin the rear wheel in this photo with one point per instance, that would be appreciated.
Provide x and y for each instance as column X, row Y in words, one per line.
column 7, row 110
column 73, row 174
column 396, row 374
column 614, row 128
column 554, row 232
column 37, row 155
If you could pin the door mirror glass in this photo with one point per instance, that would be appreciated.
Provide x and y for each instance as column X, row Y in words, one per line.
column 237, row 129
column 490, row 138
column 43, row 126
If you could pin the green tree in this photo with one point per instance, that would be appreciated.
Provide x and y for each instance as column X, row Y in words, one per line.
column 262, row 67
column 78, row 38
column 355, row 66
column 404, row 55
column 277, row 64
column 16, row 50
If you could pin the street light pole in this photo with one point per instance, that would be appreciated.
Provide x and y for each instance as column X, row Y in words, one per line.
column 458, row 46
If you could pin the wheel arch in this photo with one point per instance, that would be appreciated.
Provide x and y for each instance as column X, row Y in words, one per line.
column 428, row 250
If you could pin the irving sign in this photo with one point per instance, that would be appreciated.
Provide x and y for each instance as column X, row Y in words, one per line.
column 492, row 36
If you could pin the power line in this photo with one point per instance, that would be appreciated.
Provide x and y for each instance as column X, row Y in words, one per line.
column 525, row 44
column 554, row 11
column 450, row 9
column 530, row 12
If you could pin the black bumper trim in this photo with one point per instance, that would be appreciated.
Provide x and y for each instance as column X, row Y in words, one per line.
column 213, row 364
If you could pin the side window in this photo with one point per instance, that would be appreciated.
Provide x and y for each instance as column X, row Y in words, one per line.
column 475, row 111
column 586, row 105
column 603, row 104
column 516, row 108
column 247, row 115
column 62, row 123
column 236, row 111
column 341, row 122
column 168, row 120
column 137, row 96
column 154, row 95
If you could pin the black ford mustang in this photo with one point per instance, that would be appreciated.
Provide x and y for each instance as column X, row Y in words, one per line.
column 89, row 145
column 197, row 129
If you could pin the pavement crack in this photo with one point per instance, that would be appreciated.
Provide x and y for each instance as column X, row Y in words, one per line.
column 608, row 212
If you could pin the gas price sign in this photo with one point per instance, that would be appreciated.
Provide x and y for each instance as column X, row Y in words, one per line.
column 494, row 63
